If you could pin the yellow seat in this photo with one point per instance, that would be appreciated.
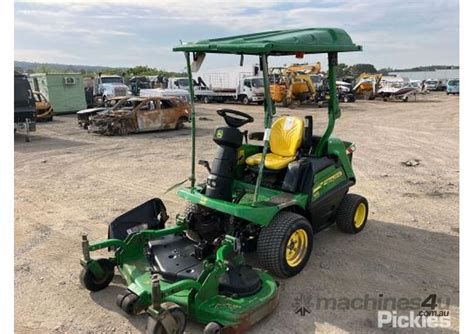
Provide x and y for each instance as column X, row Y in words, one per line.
column 286, row 137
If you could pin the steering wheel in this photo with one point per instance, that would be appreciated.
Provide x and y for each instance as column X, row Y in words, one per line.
column 232, row 121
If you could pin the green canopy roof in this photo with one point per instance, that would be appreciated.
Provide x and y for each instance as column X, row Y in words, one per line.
column 279, row 42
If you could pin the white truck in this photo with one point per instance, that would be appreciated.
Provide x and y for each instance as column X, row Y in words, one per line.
column 224, row 85
column 109, row 86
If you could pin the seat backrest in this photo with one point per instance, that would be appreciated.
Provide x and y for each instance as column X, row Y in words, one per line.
column 286, row 135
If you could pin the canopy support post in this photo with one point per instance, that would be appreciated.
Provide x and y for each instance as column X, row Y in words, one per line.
column 193, row 121
column 267, row 123
column 333, row 109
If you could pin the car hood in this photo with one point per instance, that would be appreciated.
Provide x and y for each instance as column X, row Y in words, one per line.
column 90, row 110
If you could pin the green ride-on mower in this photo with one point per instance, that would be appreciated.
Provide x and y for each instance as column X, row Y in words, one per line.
column 270, row 198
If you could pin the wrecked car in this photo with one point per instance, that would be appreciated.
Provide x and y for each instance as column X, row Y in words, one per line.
column 141, row 114
column 44, row 109
column 84, row 116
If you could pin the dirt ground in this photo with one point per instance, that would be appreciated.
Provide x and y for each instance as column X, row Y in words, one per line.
column 68, row 181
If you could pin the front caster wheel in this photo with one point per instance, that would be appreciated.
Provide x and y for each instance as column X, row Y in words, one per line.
column 93, row 283
column 212, row 328
column 173, row 322
column 128, row 302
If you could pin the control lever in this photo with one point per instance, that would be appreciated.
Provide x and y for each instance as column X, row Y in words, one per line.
column 246, row 136
column 205, row 164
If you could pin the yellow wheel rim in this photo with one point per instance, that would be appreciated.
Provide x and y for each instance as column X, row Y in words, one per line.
column 359, row 216
column 296, row 247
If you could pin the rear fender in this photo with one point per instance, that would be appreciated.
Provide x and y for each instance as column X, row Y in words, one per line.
column 336, row 147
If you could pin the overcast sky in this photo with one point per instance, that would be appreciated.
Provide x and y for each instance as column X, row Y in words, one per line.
column 393, row 33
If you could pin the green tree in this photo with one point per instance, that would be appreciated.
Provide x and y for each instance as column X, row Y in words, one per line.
column 357, row 69
column 342, row 70
column 43, row 69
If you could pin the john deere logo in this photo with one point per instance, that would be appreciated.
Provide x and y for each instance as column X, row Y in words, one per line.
column 325, row 182
column 219, row 134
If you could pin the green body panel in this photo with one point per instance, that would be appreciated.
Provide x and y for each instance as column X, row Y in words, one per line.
column 64, row 98
column 279, row 42
column 262, row 212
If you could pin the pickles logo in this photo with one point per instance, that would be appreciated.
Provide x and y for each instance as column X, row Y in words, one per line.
column 317, row 187
column 219, row 133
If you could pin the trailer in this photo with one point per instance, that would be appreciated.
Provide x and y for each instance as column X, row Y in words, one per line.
column 65, row 91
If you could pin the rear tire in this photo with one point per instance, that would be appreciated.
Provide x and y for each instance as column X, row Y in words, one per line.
column 180, row 124
column 285, row 246
column 352, row 213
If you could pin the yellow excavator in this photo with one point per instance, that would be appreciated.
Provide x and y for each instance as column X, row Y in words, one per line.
column 367, row 85
column 294, row 83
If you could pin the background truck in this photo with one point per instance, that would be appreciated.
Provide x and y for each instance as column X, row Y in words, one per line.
column 109, row 86
column 226, row 84
column 25, row 109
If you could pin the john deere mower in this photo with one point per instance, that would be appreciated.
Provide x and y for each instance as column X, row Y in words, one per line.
column 268, row 197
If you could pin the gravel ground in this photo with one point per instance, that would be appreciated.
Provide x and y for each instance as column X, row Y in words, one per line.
column 68, row 181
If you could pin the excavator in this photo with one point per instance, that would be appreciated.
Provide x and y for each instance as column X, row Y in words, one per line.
column 367, row 85
column 294, row 83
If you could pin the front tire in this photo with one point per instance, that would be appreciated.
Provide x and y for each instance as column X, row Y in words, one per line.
column 245, row 100
column 284, row 246
column 352, row 213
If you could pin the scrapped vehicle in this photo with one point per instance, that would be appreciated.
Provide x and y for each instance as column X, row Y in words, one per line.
column 84, row 116
column 44, row 109
column 452, row 87
column 25, row 110
column 141, row 114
